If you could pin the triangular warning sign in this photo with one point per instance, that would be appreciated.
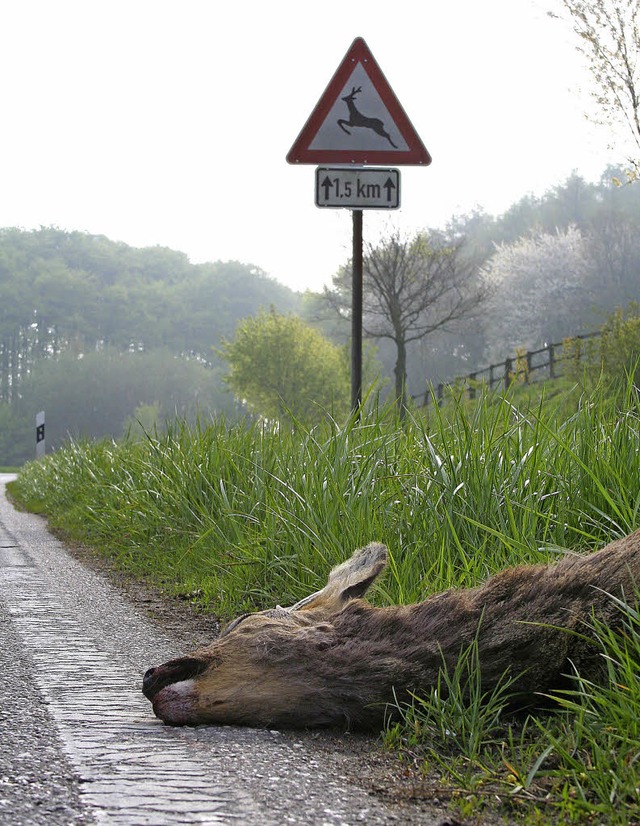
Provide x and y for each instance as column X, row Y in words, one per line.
column 358, row 119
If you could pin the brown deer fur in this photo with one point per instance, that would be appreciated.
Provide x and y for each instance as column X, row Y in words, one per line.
column 333, row 659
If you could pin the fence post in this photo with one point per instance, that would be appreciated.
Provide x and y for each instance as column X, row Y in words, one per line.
column 552, row 362
column 472, row 389
column 508, row 369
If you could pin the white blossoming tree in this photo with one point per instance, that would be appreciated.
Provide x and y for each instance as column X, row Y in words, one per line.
column 541, row 291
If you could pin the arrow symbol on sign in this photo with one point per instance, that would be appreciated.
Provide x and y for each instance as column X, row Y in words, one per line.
column 389, row 186
column 327, row 187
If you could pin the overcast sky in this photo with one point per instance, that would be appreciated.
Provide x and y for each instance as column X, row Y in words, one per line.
column 165, row 122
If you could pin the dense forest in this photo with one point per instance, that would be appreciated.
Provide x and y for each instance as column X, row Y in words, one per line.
column 99, row 334
column 103, row 336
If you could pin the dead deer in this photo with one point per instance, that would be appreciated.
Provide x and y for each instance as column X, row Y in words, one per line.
column 335, row 660
column 356, row 118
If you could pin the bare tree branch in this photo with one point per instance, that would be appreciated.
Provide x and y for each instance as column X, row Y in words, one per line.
column 413, row 286
column 609, row 37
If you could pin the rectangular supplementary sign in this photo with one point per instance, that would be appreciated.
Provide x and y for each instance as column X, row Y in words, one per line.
column 357, row 187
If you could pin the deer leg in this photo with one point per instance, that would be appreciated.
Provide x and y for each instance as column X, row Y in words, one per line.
column 386, row 135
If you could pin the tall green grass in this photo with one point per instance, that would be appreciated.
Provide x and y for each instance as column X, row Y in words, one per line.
column 577, row 762
column 250, row 515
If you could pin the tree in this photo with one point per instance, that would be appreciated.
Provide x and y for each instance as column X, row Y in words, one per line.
column 285, row 369
column 17, row 436
column 613, row 243
column 412, row 286
column 540, row 291
column 102, row 392
column 609, row 37
column 70, row 291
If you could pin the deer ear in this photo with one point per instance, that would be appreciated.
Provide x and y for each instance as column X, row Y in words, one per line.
column 349, row 580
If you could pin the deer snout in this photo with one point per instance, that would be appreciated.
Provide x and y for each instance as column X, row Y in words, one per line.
column 175, row 671
column 147, row 682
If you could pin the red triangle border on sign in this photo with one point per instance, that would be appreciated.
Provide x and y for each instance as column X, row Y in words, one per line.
column 301, row 153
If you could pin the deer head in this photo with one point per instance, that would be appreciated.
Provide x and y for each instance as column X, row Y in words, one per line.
column 273, row 667
column 352, row 95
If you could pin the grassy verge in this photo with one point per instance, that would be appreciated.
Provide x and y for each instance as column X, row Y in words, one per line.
column 246, row 516
column 576, row 762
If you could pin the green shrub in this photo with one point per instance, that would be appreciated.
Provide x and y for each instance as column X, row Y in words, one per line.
column 612, row 356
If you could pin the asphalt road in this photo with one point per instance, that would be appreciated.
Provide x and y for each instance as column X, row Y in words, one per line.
column 78, row 741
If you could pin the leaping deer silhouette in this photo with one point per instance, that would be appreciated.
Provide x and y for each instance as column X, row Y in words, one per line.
column 356, row 118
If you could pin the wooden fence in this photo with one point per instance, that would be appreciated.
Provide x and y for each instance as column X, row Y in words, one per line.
column 525, row 367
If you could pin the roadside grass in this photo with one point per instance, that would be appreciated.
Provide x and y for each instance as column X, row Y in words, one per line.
column 574, row 762
column 243, row 516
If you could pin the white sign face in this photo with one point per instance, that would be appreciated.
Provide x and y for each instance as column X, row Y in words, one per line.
column 358, row 120
column 357, row 188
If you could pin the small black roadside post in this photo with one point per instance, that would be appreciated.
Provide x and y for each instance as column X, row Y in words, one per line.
column 40, row 444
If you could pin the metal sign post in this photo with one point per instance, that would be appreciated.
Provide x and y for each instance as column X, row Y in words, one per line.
column 357, row 188
column 356, row 313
